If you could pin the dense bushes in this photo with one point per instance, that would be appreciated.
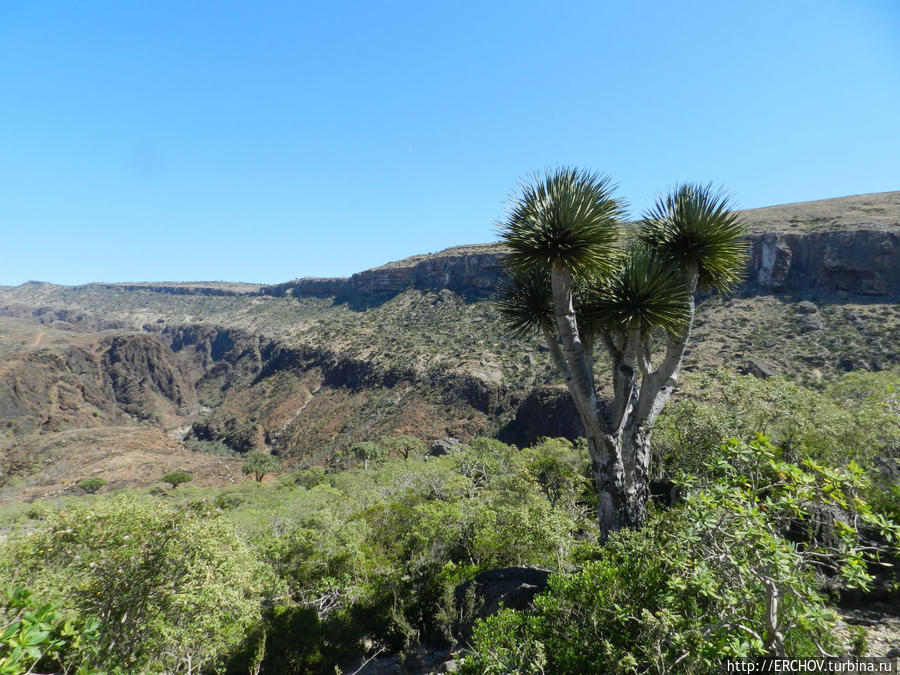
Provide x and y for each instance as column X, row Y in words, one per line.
column 171, row 589
column 324, row 566
column 856, row 417
column 717, row 577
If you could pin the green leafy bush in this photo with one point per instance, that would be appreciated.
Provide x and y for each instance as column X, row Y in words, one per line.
column 92, row 484
column 404, row 446
column 176, row 478
column 216, row 448
column 259, row 464
column 729, row 574
column 170, row 588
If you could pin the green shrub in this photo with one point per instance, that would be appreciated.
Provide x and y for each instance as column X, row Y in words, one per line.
column 92, row 484
column 176, row 478
column 259, row 464
column 713, row 579
column 170, row 588
column 310, row 477
column 367, row 452
column 404, row 446
column 216, row 448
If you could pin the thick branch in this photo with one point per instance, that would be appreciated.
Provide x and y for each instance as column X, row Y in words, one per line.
column 657, row 387
column 625, row 378
column 556, row 353
column 581, row 385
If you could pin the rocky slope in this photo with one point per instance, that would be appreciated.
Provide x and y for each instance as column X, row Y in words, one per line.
column 308, row 367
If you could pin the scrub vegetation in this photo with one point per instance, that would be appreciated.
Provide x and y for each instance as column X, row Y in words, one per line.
column 325, row 566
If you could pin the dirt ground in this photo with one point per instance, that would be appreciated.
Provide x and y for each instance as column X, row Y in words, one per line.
column 125, row 456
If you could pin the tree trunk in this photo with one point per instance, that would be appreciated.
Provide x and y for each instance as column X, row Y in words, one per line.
column 774, row 639
column 581, row 382
column 636, row 460
column 604, row 448
column 618, row 441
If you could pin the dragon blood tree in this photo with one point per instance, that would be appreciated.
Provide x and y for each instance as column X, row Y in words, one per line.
column 599, row 295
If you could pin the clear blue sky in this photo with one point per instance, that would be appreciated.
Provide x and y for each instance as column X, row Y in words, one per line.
column 262, row 141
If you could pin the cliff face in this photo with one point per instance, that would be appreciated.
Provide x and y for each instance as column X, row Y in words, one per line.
column 145, row 377
column 864, row 261
column 310, row 398
column 847, row 244
column 93, row 384
column 476, row 270
column 467, row 270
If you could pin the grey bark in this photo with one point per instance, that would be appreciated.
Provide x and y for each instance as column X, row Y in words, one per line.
column 618, row 442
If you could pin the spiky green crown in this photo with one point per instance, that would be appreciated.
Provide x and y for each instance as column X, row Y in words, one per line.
column 695, row 226
column 643, row 289
column 526, row 302
column 567, row 215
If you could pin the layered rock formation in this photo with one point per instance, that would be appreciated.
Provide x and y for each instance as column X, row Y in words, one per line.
column 850, row 244
column 94, row 383
column 467, row 270
column 863, row 261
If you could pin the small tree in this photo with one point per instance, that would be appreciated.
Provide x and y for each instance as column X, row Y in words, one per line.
column 92, row 484
column 404, row 446
column 259, row 464
column 176, row 478
column 552, row 466
column 572, row 280
column 367, row 451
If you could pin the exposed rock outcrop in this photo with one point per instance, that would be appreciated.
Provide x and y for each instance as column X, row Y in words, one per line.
column 195, row 288
column 142, row 369
column 309, row 286
column 513, row 587
column 546, row 412
column 758, row 369
column 864, row 260
column 95, row 384
column 59, row 317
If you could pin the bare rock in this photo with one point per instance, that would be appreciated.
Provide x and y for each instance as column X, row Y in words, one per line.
column 514, row 587
column 811, row 323
column 545, row 412
column 773, row 264
column 443, row 446
column 759, row 369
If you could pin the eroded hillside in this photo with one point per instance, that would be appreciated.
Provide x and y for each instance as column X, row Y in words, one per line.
column 308, row 367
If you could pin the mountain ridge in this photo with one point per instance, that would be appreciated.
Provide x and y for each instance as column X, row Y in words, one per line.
column 307, row 368
column 873, row 213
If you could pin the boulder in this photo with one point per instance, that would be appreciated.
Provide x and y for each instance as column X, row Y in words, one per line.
column 759, row 369
column 442, row 446
column 811, row 323
column 514, row 587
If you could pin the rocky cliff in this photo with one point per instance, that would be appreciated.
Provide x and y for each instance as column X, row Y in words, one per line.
column 468, row 270
column 850, row 244
column 94, row 383
column 862, row 261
